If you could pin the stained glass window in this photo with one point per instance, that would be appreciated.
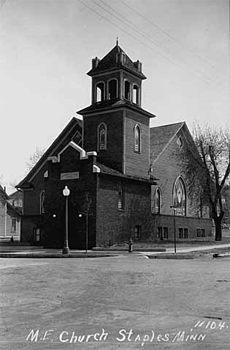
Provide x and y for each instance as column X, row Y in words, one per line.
column 102, row 137
column 179, row 197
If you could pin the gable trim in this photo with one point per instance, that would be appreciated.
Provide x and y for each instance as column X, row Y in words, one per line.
column 51, row 150
column 83, row 154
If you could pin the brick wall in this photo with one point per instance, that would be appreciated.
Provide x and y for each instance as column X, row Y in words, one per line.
column 28, row 226
column 190, row 223
column 113, row 156
column 31, row 204
column 167, row 169
column 55, row 204
column 116, row 225
column 136, row 164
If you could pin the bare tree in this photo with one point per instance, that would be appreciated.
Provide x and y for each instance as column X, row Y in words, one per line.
column 207, row 167
column 34, row 158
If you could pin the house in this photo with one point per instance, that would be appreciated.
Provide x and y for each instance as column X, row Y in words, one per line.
column 123, row 177
column 16, row 200
column 10, row 219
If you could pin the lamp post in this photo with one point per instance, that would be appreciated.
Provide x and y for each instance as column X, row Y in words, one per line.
column 174, row 226
column 66, row 193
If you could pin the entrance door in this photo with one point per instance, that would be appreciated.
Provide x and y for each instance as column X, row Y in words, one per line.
column 77, row 228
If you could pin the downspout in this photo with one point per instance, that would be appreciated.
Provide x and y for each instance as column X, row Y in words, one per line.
column 19, row 228
column 5, row 220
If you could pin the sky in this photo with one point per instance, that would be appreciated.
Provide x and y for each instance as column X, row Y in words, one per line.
column 46, row 48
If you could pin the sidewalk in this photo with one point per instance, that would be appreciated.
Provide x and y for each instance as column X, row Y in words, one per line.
column 38, row 252
column 192, row 252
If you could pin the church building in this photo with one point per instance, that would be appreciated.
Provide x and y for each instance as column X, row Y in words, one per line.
column 124, row 178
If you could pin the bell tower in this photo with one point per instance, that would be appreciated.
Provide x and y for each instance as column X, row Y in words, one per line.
column 115, row 125
column 116, row 77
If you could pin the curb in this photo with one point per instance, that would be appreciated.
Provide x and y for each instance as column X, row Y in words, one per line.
column 57, row 255
column 171, row 256
column 121, row 249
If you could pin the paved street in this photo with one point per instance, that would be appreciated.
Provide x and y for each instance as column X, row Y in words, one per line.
column 120, row 302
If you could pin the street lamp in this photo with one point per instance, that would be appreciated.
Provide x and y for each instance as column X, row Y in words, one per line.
column 66, row 193
column 174, row 226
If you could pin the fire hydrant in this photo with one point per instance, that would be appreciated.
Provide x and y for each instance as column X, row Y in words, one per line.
column 130, row 245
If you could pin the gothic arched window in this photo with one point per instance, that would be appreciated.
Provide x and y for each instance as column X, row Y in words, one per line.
column 120, row 202
column 42, row 202
column 179, row 197
column 155, row 200
column 137, row 139
column 102, row 137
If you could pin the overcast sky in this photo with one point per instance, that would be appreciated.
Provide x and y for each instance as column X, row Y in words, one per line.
column 46, row 47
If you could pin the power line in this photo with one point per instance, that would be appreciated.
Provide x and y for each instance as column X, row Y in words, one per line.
column 114, row 24
column 168, row 35
column 140, row 32
column 2, row 4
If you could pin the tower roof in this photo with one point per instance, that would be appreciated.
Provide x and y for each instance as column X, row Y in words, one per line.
column 116, row 59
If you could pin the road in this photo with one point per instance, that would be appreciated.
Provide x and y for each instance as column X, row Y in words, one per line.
column 121, row 302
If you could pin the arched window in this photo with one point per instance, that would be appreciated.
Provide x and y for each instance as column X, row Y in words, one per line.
column 179, row 197
column 155, row 200
column 102, row 137
column 121, row 202
column 100, row 92
column 136, row 94
column 137, row 139
column 112, row 89
column 42, row 202
column 127, row 89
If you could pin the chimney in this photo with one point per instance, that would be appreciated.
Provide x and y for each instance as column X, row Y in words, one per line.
column 138, row 65
column 95, row 62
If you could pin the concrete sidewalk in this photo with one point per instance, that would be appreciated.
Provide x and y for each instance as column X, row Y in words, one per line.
column 191, row 252
column 38, row 252
column 194, row 249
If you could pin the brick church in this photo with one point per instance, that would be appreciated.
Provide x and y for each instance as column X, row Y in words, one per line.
column 124, row 177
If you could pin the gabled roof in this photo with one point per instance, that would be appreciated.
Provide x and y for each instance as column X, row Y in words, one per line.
column 160, row 137
column 5, row 198
column 114, row 104
column 3, row 193
column 16, row 194
column 25, row 183
column 17, row 211
column 111, row 61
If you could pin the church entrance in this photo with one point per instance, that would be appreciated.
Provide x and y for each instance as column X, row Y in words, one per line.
column 76, row 228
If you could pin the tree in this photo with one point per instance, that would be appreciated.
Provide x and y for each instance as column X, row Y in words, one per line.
column 34, row 158
column 206, row 164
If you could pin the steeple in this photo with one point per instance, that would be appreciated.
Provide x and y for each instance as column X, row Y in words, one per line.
column 115, row 125
column 116, row 77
